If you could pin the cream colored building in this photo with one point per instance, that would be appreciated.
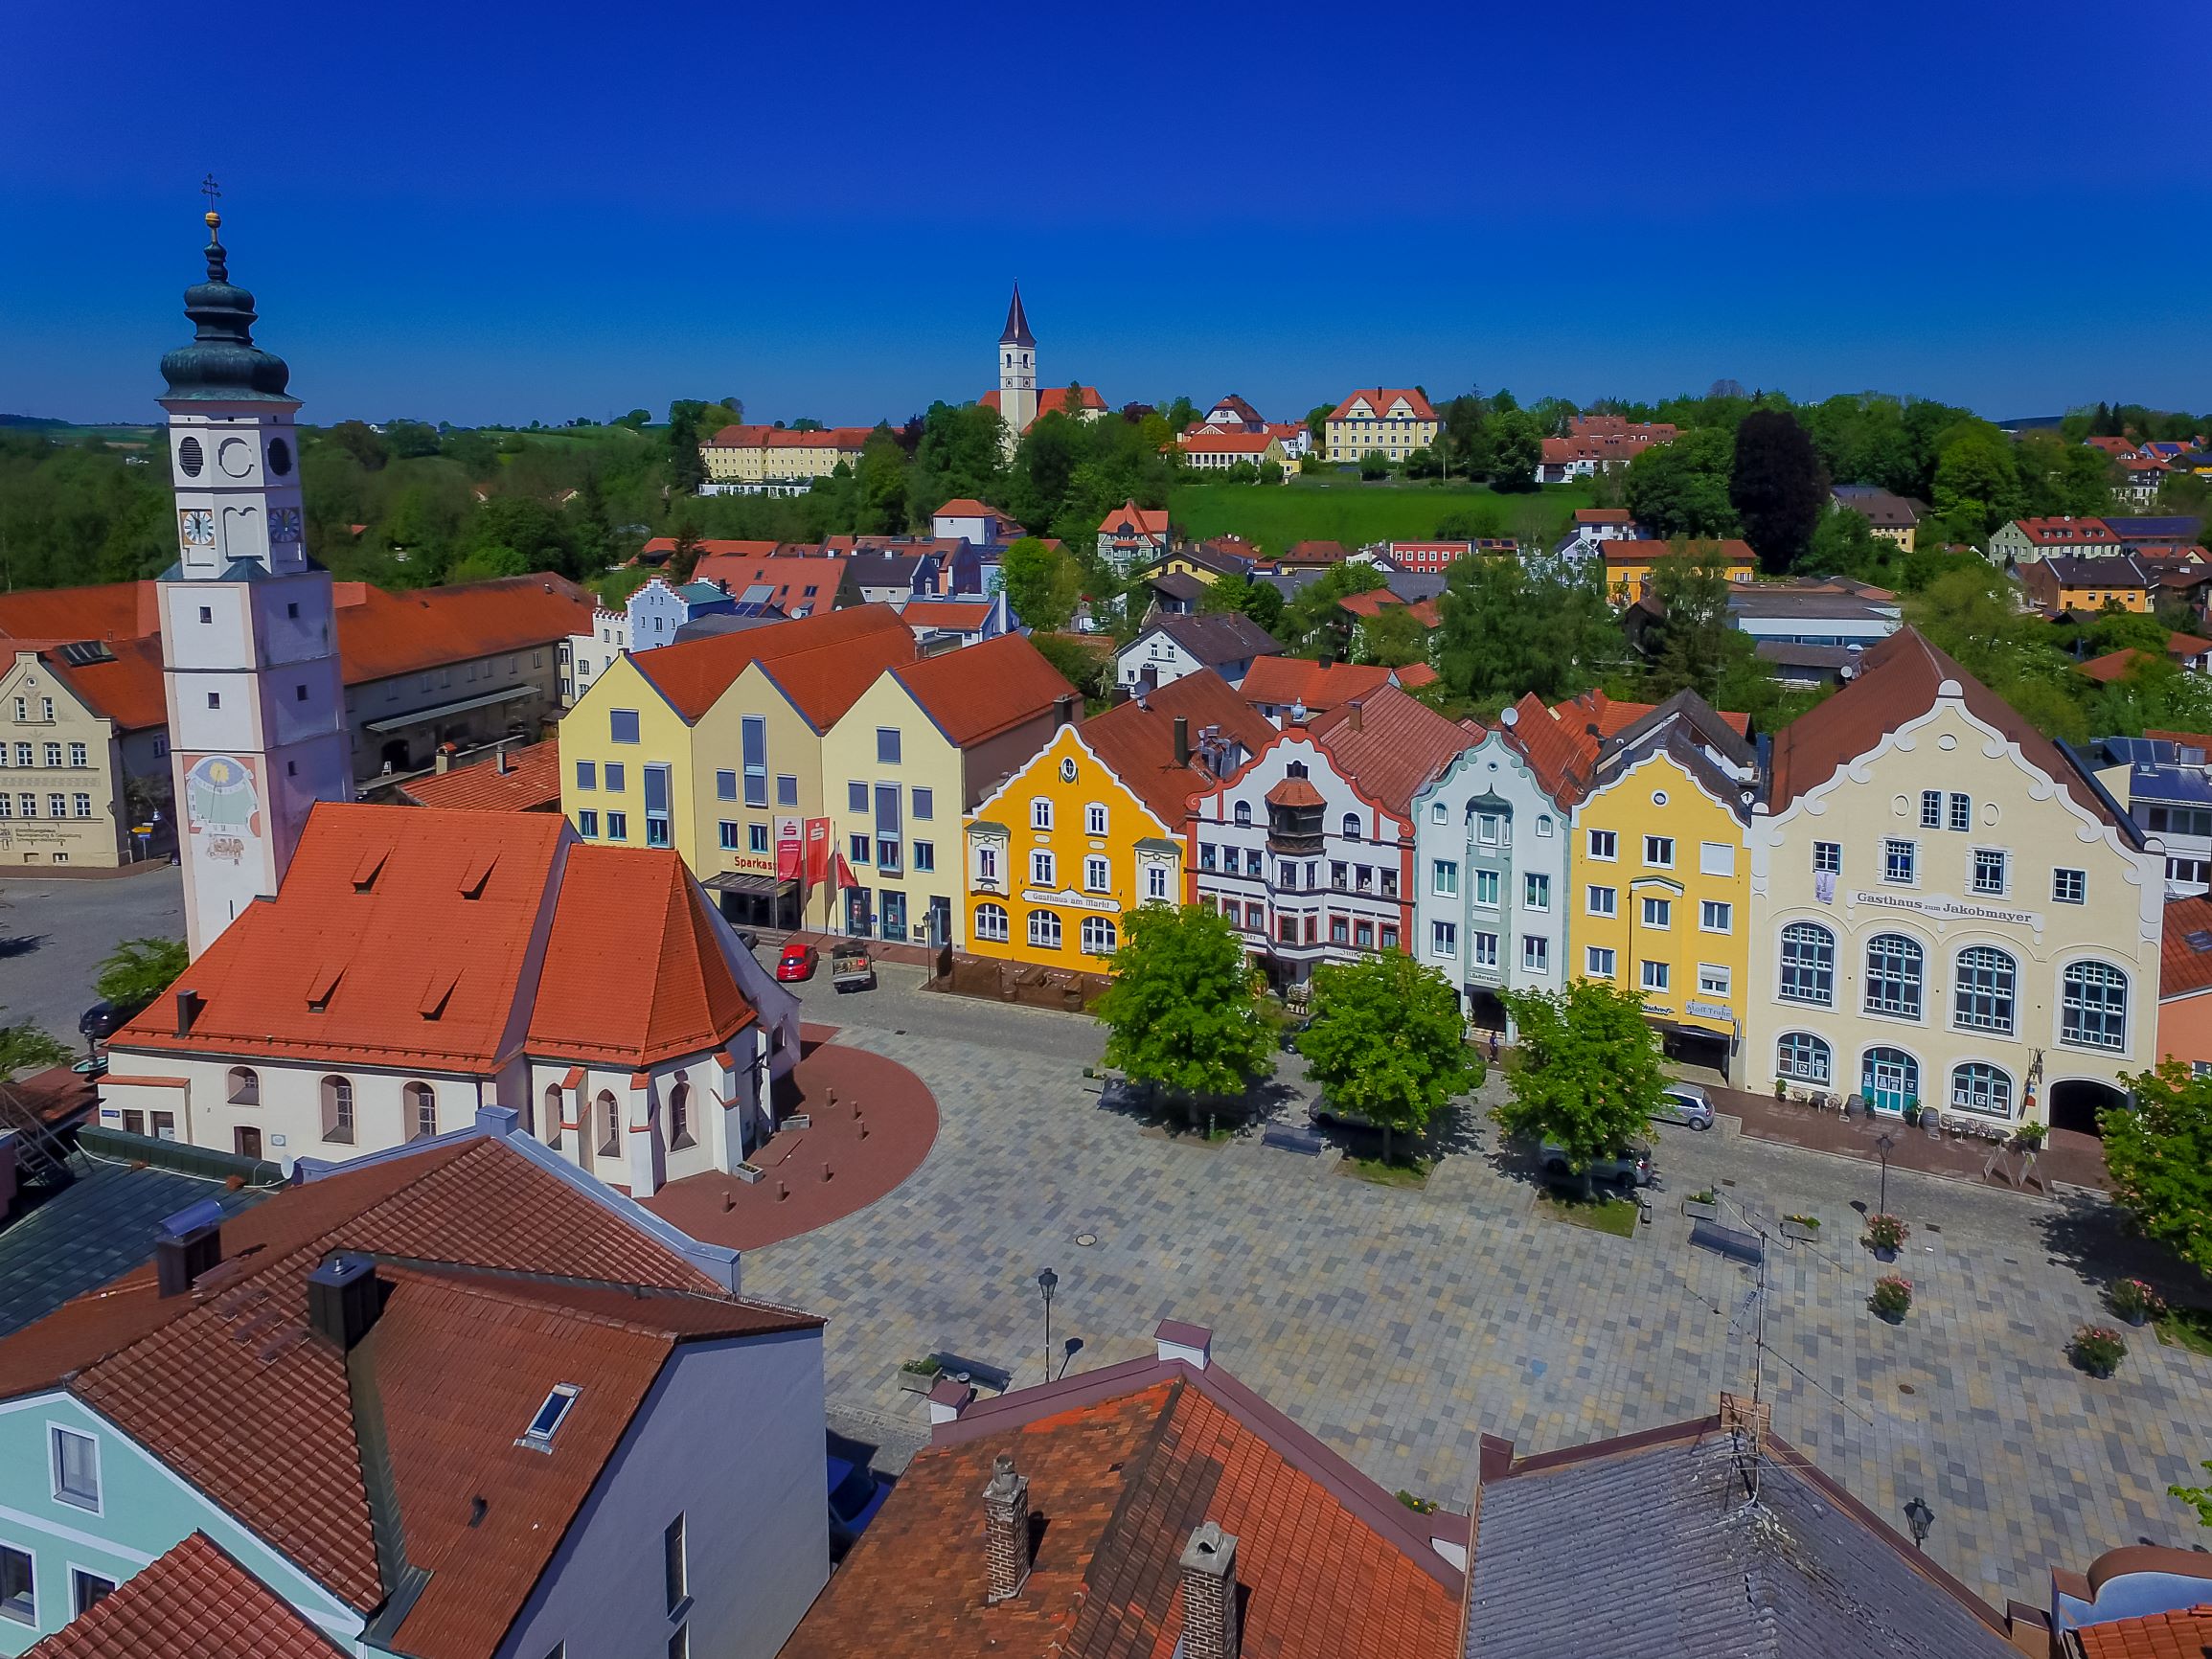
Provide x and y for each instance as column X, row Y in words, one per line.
column 1946, row 909
column 777, row 460
column 77, row 722
column 1394, row 421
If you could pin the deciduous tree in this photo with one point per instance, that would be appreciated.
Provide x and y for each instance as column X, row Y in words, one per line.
column 1387, row 1042
column 1777, row 486
column 1587, row 1078
column 2159, row 1154
column 1515, row 445
column 1043, row 582
column 1681, row 488
column 1183, row 1011
column 138, row 970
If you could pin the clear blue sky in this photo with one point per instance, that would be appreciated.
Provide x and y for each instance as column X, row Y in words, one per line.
column 496, row 214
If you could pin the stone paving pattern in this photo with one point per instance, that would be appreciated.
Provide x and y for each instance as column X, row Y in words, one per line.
column 1400, row 1326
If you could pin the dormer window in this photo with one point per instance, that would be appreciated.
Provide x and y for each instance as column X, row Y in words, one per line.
column 538, row 1436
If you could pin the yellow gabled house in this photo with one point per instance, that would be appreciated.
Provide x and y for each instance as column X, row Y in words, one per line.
column 1661, row 892
column 1630, row 564
column 1092, row 825
column 713, row 747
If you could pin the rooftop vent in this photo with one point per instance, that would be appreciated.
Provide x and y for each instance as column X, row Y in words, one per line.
column 189, row 1243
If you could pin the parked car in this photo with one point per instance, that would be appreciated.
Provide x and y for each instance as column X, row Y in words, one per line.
column 102, row 1021
column 1685, row 1103
column 798, row 961
column 747, row 938
column 1628, row 1169
column 856, row 1494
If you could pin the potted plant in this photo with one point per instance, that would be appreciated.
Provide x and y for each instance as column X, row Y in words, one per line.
column 1885, row 1235
column 1781, row 1088
column 1702, row 1206
column 2098, row 1350
column 1800, row 1227
column 2135, row 1302
column 918, row 1375
column 2030, row 1137
column 1912, row 1109
column 1892, row 1296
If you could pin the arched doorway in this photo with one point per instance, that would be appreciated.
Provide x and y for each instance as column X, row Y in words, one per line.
column 2075, row 1102
column 1887, row 1079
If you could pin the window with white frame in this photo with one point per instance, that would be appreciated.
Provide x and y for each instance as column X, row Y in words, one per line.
column 1827, row 857
column 75, row 1459
column 2069, row 886
column 1482, row 949
column 2094, row 1005
column 1602, row 901
column 1808, row 964
column 991, row 923
column 986, row 864
column 1597, row 961
column 1094, row 875
column 1898, row 862
column 1989, row 871
column 1536, row 953
column 1444, row 878
column 1443, row 939
column 1713, row 979
column 1535, row 892
column 18, row 1568
column 1044, row 930
column 1656, row 975
column 1604, row 844
column 1244, row 814
column 1983, row 991
column 1486, row 828
column 1041, row 869
column 1893, row 975
column 1982, row 1089
column 1717, row 916
column 1098, row 936
column 1040, row 813
column 1094, row 819
column 1486, row 889
column 1931, row 808
column 1658, row 911
column 1156, row 881
column 1659, row 851
column 1961, row 814
column 1801, row 1055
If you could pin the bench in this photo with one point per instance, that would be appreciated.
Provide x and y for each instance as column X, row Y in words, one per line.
column 1732, row 1243
column 1296, row 1138
column 989, row 1376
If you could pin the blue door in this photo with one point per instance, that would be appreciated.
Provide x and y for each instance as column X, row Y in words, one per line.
column 1887, row 1079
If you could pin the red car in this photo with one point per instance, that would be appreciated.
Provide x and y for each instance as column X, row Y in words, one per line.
column 798, row 961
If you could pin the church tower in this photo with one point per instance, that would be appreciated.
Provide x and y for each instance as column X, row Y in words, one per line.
column 249, row 642
column 1016, row 373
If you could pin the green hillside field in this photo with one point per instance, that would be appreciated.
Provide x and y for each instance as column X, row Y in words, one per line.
column 1349, row 510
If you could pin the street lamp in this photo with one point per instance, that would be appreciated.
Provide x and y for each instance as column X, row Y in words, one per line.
column 1047, row 1281
column 1919, row 1518
column 1882, row 1143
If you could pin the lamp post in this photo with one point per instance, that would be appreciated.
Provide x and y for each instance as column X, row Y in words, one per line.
column 1919, row 1518
column 1881, row 1145
column 1046, row 1283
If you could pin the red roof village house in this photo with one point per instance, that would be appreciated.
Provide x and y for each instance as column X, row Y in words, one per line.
column 1599, row 444
column 2026, row 540
column 1133, row 536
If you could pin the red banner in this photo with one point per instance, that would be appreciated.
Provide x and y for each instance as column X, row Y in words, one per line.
column 817, row 851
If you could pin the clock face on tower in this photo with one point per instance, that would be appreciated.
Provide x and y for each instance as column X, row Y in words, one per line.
column 196, row 525
column 283, row 524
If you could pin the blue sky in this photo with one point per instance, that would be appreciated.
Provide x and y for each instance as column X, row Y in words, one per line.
column 452, row 213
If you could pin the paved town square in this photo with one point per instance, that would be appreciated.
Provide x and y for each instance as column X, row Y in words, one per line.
column 1400, row 1326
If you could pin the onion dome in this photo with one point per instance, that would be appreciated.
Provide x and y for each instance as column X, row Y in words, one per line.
column 222, row 364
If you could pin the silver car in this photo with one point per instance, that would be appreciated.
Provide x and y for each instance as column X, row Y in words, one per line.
column 1627, row 1169
column 1685, row 1103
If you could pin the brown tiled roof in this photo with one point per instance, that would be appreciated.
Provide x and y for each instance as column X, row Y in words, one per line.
column 224, row 1386
column 530, row 784
column 1380, row 399
column 194, row 1603
column 1216, row 637
column 2115, row 665
column 1559, row 752
column 1131, row 520
column 1122, row 1465
column 1296, row 792
column 1290, row 680
column 859, row 644
column 2185, row 1633
column 127, row 688
column 1898, row 683
column 402, row 633
column 1312, row 553
column 1137, row 740
column 2183, row 969
column 1391, row 744
column 1624, row 550
column 676, row 994
column 983, row 690
column 116, row 610
column 373, row 950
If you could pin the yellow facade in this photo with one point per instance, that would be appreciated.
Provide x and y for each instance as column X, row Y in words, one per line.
column 1626, row 579
column 1353, row 437
column 1661, row 901
column 896, row 787
column 2095, row 598
column 791, row 456
column 61, row 773
column 1105, row 853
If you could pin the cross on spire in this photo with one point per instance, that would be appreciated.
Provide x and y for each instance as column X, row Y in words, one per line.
column 210, row 190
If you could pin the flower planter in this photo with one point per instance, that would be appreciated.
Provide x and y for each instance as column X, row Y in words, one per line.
column 1885, row 1251
column 748, row 1173
column 1801, row 1231
column 912, row 1381
column 1701, row 1208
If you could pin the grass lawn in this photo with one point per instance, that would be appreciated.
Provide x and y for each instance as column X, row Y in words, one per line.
column 1391, row 1175
column 2189, row 1328
column 1614, row 1216
column 1337, row 508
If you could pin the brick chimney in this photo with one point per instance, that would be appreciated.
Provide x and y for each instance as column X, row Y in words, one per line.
column 1005, row 1532
column 1210, row 1594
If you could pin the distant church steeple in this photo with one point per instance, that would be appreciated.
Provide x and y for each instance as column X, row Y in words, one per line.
column 248, row 629
column 1016, row 372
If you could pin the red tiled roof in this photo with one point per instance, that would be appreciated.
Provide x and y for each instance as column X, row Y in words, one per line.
column 1054, row 399
column 1561, row 753
column 530, row 784
column 1296, row 792
column 194, row 1603
column 1391, row 744
column 1621, row 426
column 1380, row 399
column 1896, row 683
column 1123, row 1471
column 1603, row 516
column 1136, row 741
column 116, row 610
column 2115, row 665
column 710, row 547
column 402, row 633
column 2184, row 1634
column 126, row 688
column 790, row 574
column 983, row 690
column 1207, row 442
column 2183, row 969
column 1312, row 553
column 1291, row 680
column 789, row 438
column 1612, row 717
column 676, row 994
column 1414, row 675
column 1625, row 550
column 227, row 1389
column 2065, row 531
column 968, row 507
column 693, row 673
column 956, row 615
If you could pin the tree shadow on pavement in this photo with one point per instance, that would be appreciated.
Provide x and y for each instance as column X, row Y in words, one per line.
column 14, row 945
column 2098, row 1241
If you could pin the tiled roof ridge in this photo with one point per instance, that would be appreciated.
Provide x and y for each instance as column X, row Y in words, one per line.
column 1091, row 1607
column 513, row 1286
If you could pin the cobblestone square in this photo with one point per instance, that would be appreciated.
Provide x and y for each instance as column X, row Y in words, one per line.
column 1400, row 1326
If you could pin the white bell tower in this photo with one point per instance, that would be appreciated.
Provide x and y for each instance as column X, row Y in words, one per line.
column 1016, row 373
column 249, row 641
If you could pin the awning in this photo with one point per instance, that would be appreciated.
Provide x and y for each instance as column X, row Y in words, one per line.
column 422, row 717
column 745, row 881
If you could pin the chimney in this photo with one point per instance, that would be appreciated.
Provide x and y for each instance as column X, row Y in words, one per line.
column 1005, row 1532
column 1327, row 662
column 1182, row 740
column 444, row 761
column 189, row 1242
column 1192, row 1344
column 1064, row 708
column 500, row 760
column 189, row 1005
column 343, row 1299
column 1354, row 718
column 1210, row 1594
